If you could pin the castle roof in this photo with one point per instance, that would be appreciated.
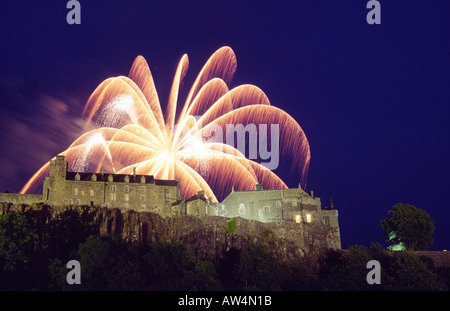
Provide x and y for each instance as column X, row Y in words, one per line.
column 120, row 178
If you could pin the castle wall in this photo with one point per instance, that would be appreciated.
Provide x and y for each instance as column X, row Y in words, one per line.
column 17, row 198
column 271, row 205
column 141, row 193
column 319, row 227
column 285, row 208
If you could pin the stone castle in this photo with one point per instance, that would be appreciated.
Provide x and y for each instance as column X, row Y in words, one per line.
column 292, row 209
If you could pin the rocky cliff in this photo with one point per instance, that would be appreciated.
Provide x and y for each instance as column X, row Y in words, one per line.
column 206, row 237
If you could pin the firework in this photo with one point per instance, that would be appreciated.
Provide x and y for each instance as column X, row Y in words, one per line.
column 132, row 133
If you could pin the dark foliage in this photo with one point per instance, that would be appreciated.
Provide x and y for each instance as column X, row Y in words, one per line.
column 34, row 251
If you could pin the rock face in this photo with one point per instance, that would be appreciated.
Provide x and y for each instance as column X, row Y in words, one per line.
column 206, row 237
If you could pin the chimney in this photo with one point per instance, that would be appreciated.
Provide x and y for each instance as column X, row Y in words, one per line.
column 201, row 193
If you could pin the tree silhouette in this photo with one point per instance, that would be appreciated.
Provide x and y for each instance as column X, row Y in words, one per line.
column 409, row 226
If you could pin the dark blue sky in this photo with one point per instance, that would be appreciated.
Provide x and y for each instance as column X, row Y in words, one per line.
column 372, row 99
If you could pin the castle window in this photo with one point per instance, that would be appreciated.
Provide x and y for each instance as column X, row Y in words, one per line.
column 113, row 196
column 266, row 209
column 78, row 202
column 294, row 203
column 297, row 219
column 223, row 207
column 77, row 176
column 308, row 217
column 127, row 179
column 126, row 188
column 94, row 177
column 110, row 178
column 241, row 208
column 75, row 191
column 143, row 205
column 278, row 203
column 142, row 198
column 71, row 201
column 126, row 197
column 142, row 180
column 143, row 189
column 91, row 193
column 166, row 195
column 82, row 193
column 112, row 188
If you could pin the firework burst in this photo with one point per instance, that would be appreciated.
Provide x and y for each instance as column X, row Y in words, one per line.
column 132, row 133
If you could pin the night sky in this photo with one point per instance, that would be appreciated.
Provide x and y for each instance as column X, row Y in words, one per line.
column 373, row 100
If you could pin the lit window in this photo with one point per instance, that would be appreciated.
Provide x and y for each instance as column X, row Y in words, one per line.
column 75, row 191
column 112, row 187
column 113, row 196
column 297, row 219
column 308, row 217
column 126, row 197
column 91, row 193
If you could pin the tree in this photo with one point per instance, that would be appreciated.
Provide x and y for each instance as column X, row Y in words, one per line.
column 15, row 241
column 165, row 264
column 108, row 264
column 257, row 269
column 408, row 227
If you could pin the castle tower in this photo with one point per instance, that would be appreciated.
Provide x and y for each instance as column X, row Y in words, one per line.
column 58, row 168
column 55, row 179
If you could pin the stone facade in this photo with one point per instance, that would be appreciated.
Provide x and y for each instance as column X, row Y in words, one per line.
column 138, row 192
column 292, row 206
column 289, row 212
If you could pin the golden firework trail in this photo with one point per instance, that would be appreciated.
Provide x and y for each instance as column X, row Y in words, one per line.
column 132, row 133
